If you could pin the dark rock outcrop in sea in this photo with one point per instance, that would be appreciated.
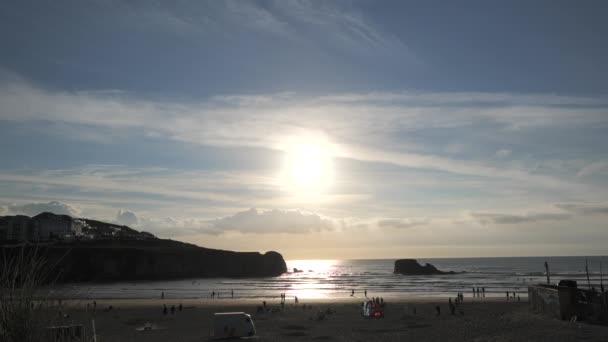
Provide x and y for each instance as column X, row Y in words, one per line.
column 412, row 267
column 158, row 259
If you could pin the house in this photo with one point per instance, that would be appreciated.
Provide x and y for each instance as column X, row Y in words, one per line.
column 18, row 228
column 51, row 226
column 3, row 228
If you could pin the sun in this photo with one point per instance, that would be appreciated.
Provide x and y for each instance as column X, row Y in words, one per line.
column 307, row 168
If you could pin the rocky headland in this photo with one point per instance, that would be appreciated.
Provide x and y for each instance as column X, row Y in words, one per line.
column 158, row 259
column 82, row 250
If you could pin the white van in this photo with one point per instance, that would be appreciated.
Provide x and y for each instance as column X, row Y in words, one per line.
column 232, row 324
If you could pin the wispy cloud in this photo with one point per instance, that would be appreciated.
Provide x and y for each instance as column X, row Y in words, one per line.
column 585, row 208
column 255, row 221
column 32, row 209
column 263, row 121
column 501, row 218
column 176, row 184
column 402, row 223
column 324, row 25
column 593, row 168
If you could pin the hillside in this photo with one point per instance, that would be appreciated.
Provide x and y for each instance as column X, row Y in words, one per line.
column 131, row 255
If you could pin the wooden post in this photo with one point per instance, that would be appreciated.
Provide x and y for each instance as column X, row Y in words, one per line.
column 547, row 271
column 94, row 334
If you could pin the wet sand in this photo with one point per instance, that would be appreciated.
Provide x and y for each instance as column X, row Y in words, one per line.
column 481, row 320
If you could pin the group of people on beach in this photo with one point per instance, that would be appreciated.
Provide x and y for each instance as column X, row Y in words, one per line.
column 479, row 292
column 352, row 293
column 284, row 298
column 94, row 305
column 373, row 308
column 452, row 304
column 514, row 296
column 459, row 298
column 215, row 295
column 165, row 310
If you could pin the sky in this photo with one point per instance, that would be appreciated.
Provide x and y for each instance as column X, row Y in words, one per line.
column 319, row 129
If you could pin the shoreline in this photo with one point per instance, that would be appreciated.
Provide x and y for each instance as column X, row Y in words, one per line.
column 228, row 302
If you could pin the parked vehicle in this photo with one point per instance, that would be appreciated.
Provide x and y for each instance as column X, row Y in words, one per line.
column 232, row 324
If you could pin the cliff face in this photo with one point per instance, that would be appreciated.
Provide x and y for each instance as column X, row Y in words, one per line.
column 155, row 260
column 412, row 267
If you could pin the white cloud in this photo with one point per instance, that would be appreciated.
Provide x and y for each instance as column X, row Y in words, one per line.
column 127, row 218
column 272, row 221
column 32, row 209
column 170, row 227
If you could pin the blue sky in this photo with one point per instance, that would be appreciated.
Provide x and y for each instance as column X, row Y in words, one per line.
column 437, row 129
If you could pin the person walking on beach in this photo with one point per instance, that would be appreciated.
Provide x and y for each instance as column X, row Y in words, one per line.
column 513, row 295
column 165, row 309
column 473, row 292
column 352, row 293
column 232, row 293
column 507, row 295
column 173, row 309
column 483, row 291
column 438, row 309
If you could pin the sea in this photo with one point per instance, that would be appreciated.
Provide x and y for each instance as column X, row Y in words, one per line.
column 336, row 279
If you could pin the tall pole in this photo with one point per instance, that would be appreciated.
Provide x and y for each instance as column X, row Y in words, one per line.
column 601, row 278
column 587, row 271
column 547, row 271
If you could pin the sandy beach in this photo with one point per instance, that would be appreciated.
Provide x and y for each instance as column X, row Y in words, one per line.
column 411, row 319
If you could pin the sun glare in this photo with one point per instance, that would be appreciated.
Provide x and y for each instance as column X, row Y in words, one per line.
column 307, row 168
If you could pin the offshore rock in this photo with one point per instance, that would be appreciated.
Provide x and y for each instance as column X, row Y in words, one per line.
column 412, row 267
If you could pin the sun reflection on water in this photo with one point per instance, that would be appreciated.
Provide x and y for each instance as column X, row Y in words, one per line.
column 310, row 281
